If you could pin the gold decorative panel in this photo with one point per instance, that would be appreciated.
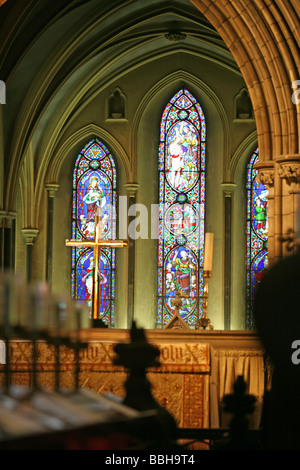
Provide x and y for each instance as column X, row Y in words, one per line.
column 181, row 384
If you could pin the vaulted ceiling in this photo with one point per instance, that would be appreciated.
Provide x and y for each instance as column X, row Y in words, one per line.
column 56, row 53
column 56, row 48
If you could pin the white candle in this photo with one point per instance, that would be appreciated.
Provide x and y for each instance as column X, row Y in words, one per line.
column 208, row 251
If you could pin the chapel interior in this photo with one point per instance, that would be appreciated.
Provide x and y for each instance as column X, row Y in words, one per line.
column 76, row 72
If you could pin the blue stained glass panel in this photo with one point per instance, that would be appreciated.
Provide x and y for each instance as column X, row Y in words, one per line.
column 257, row 236
column 94, row 186
column 182, row 208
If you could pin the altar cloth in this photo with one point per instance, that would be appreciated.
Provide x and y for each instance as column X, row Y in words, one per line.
column 181, row 383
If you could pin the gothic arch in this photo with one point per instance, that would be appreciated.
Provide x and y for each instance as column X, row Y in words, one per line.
column 203, row 90
column 116, row 105
column 94, row 188
column 242, row 153
column 36, row 102
column 49, row 173
column 238, row 167
column 80, row 136
column 249, row 29
column 264, row 40
column 148, row 116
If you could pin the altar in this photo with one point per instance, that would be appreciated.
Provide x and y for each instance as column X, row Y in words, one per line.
column 197, row 368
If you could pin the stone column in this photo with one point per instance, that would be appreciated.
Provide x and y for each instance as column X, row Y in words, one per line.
column 228, row 189
column 289, row 173
column 29, row 236
column 7, row 240
column 131, row 189
column 51, row 189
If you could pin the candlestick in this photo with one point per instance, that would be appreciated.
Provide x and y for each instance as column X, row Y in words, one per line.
column 208, row 251
column 204, row 322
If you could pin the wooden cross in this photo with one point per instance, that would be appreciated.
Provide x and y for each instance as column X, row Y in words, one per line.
column 96, row 244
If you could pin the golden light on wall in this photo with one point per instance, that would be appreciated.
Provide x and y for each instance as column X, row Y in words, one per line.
column 1, row 2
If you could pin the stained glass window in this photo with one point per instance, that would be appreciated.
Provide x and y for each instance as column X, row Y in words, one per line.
column 257, row 236
column 94, row 185
column 181, row 208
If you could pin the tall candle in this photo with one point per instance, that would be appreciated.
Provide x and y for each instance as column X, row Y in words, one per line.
column 208, row 251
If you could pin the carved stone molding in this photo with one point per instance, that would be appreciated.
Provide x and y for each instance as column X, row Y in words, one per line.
column 265, row 177
column 265, row 173
column 30, row 235
column 228, row 188
column 52, row 188
column 175, row 36
column 132, row 189
column 290, row 172
column 177, row 323
column 6, row 217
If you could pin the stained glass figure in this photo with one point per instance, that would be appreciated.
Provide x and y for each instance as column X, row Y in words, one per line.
column 94, row 186
column 181, row 208
column 257, row 236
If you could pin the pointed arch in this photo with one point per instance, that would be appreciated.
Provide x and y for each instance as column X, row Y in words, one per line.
column 257, row 235
column 94, row 185
column 181, row 208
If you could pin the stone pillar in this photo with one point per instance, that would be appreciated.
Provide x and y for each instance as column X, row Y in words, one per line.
column 51, row 189
column 289, row 173
column 131, row 189
column 29, row 236
column 7, row 240
column 228, row 189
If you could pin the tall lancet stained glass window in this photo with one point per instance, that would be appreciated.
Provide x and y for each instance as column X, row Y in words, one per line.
column 257, row 236
column 94, row 185
column 181, row 208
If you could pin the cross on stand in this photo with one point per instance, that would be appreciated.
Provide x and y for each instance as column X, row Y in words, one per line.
column 96, row 244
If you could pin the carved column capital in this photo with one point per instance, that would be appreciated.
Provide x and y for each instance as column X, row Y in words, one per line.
column 290, row 172
column 175, row 36
column 265, row 173
column 132, row 189
column 52, row 188
column 30, row 235
column 228, row 188
column 265, row 177
column 6, row 217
